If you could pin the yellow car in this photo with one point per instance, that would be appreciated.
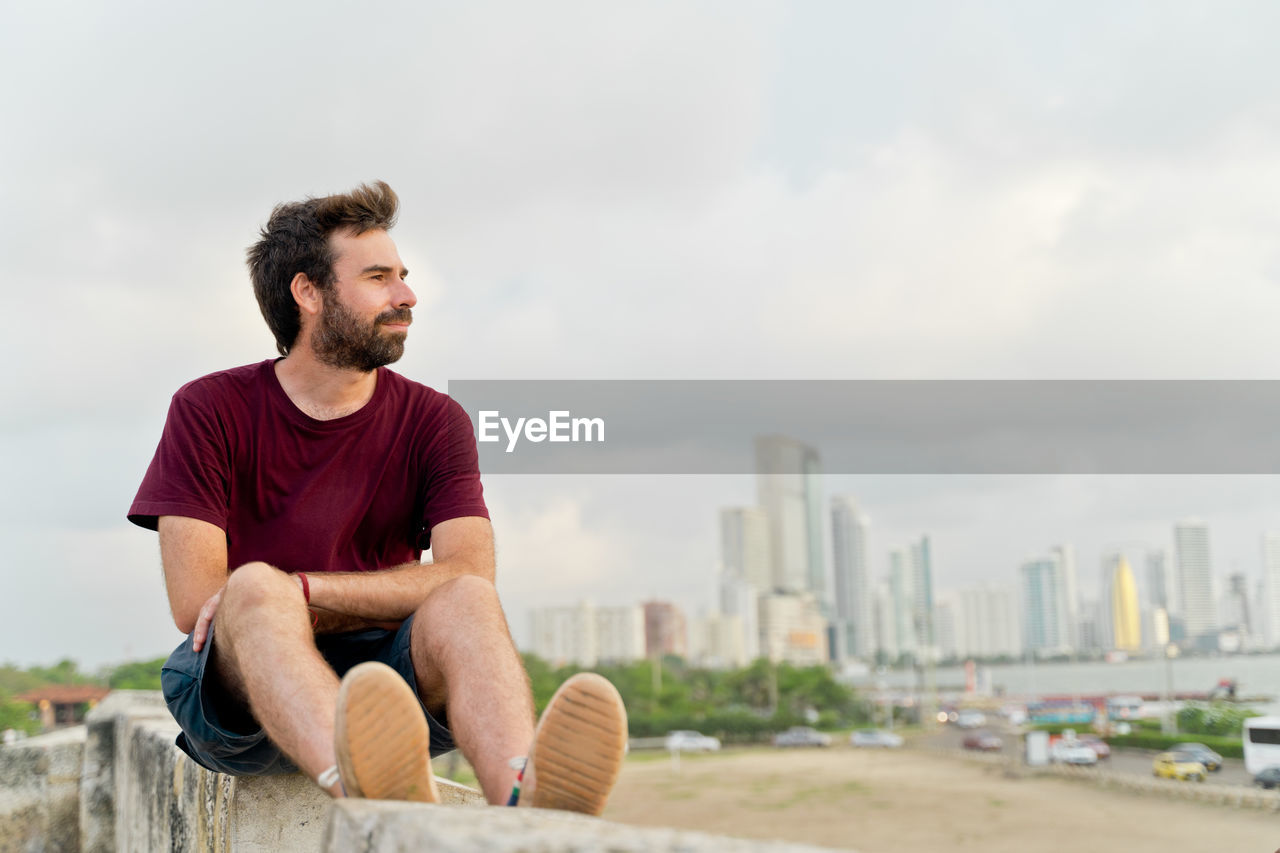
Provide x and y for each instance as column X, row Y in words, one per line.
column 1178, row 765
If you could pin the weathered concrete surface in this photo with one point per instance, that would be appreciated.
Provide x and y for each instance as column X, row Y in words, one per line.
column 40, row 793
column 104, row 752
column 140, row 792
column 365, row 826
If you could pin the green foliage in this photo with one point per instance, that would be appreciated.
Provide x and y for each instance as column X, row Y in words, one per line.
column 1227, row 747
column 17, row 715
column 1217, row 718
column 137, row 675
column 739, row 705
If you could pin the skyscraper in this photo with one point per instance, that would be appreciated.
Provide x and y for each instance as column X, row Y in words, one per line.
column 1068, row 594
column 922, row 593
column 849, row 528
column 1126, row 630
column 1162, row 586
column 902, row 600
column 1191, row 546
column 1042, row 633
column 788, row 484
column 744, row 546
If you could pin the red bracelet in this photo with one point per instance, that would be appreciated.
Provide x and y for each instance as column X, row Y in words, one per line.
column 306, row 587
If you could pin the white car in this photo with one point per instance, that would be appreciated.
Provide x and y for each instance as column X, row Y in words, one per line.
column 1072, row 752
column 801, row 736
column 876, row 738
column 971, row 719
column 685, row 741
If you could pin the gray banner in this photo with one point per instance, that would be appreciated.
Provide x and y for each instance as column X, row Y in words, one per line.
column 874, row 427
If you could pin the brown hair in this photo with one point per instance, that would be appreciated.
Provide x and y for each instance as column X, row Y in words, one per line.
column 296, row 240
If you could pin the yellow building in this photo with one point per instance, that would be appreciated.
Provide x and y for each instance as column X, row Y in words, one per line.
column 1126, row 623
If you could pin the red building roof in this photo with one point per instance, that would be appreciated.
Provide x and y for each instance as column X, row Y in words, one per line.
column 65, row 694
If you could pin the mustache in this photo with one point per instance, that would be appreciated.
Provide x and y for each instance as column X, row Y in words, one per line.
column 395, row 315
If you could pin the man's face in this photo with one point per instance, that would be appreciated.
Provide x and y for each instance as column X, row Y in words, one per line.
column 365, row 316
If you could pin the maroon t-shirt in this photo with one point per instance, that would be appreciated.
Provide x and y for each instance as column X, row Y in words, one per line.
column 356, row 493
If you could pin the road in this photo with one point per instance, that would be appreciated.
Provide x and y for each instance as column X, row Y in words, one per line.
column 1130, row 761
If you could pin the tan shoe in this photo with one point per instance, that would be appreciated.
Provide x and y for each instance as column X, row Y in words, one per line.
column 578, row 747
column 381, row 737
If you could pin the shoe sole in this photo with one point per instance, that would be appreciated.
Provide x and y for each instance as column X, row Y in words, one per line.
column 579, row 746
column 381, row 737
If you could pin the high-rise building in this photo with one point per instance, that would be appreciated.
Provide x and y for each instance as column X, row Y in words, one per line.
column 1191, row 547
column 1126, row 625
column 716, row 641
column 849, row 528
column 1162, row 586
column 793, row 629
column 739, row 599
column 587, row 635
column 885, row 622
column 1236, row 611
column 987, row 621
column 789, row 487
column 1271, row 589
column 1041, row 610
column 902, row 597
column 619, row 634
column 565, row 635
column 1068, row 594
column 665, row 632
column 922, row 594
column 744, row 546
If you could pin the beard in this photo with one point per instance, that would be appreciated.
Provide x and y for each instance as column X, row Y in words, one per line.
column 343, row 340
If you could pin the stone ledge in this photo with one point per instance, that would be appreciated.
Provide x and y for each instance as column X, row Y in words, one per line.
column 365, row 826
column 40, row 792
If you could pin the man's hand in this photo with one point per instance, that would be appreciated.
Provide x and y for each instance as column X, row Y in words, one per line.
column 205, row 619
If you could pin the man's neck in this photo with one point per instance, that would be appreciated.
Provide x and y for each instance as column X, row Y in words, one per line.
column 322, row 391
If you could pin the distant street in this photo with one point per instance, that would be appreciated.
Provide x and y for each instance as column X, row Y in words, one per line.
column 1128, row 761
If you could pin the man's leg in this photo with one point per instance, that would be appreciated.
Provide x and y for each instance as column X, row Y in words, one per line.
column 265, row 654
column 467, row 664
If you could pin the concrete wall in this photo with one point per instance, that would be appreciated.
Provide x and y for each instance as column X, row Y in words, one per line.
column 40, row 793
column 119, row 783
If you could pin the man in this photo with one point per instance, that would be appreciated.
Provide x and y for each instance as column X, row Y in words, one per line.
column 293, row 500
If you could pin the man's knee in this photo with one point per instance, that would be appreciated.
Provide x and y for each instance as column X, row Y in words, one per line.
column 255, row 584
column 463, row 594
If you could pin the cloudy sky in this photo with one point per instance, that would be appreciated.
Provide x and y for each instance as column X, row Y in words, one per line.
column 735, row 190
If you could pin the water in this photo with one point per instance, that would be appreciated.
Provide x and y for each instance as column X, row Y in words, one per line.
column 1254, row 675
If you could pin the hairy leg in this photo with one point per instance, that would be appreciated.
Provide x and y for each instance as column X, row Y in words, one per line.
column 466, row 663
column 265, row 653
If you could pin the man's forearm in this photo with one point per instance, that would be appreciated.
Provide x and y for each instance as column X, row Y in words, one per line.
column 390, row 595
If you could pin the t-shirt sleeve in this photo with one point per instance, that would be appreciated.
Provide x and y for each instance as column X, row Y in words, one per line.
column 452, row 485
column 190, row 475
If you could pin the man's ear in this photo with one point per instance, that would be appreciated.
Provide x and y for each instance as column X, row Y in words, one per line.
column 306, row 294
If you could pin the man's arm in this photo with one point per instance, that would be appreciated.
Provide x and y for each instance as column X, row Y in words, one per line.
column 194, row 556
column 459, row 546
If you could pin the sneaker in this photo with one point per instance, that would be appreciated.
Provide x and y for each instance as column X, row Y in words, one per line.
column 381, row 737
column 578, row 747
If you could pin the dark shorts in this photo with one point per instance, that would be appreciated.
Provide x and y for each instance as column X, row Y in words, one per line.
column 244, row 750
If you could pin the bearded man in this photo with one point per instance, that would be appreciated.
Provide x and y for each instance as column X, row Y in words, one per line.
column 294, row 499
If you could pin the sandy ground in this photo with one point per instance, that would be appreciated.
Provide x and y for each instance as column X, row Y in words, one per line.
column 903, row 801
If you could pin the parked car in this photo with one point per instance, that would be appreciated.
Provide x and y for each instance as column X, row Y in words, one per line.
column 686, row 741
column 801, row 736
column 1178, row 765
column 1211, row 760
column 875, row 738
column 970, row 719
column 1269, row 777
column 1100, row 747
column 1066, row 751
column 983, row 741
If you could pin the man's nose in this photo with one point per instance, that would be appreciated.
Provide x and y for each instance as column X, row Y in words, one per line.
column 405, row 297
